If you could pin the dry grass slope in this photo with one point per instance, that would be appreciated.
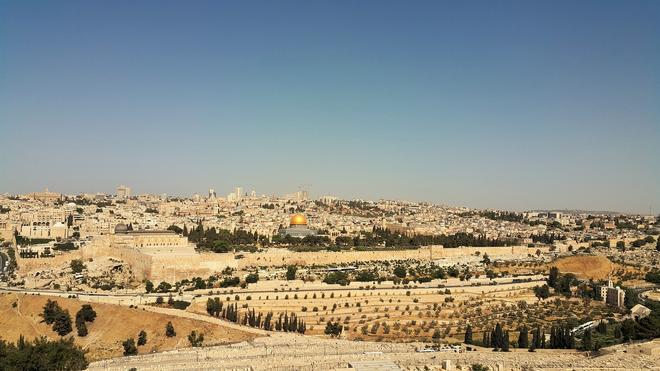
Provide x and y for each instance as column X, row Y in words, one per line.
column 113, row 325
column 596, row 267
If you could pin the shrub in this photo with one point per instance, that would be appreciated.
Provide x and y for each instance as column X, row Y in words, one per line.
column 195, row 339
column 169, row 330
column 42, row 354
column 62, row 323
column 77, row 266
column 129, row 347
column 87, row 313
column 142, row 338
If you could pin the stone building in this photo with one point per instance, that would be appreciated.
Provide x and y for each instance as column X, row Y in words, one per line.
column 611, row 295
column 297, row 227
column 154, row 255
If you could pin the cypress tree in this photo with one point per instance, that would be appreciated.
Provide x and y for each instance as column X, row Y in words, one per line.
column 210, row 306
column 505, row 341
column 142, row 338
column 543, row 339
column 498, row 340
column 523, row 340
column 586, row 340
column 468, row 335
column 169, row 330
column 537, row 336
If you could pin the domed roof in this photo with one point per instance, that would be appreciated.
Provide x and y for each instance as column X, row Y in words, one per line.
column 121, row 228
column 298, row 219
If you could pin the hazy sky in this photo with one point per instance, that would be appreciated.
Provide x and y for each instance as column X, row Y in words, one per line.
column 506, row 104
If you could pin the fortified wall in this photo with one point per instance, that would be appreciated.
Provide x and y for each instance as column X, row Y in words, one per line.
column 282, row 256
column 153, row 255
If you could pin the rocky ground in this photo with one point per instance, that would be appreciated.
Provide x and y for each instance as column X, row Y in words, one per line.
column 101, row 273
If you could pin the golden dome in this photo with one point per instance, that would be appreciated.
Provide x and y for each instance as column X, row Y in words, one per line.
column 298, row 219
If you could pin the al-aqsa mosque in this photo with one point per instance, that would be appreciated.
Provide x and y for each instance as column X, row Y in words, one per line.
column 297, row 227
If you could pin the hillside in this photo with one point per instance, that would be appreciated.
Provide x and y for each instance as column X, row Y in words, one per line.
column 112, row 326
column 596, row 267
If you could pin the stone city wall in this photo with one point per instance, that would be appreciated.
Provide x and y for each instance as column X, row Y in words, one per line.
column 30, row 264
column 282, row 256
column 140, row 263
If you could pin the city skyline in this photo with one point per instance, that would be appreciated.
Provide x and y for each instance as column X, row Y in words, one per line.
column 511, row 105
column 251, row 193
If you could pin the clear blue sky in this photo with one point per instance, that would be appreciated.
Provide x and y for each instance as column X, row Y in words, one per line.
column 506, row 104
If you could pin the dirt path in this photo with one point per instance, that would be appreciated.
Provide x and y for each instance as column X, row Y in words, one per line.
column 18, row 310
column 204, row 318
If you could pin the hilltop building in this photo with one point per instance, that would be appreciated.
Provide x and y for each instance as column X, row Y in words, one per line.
column 155, row 255
column 297, row 227
column 46, row 196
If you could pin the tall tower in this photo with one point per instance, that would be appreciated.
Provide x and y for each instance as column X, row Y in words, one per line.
column 212, row 193
column 123, row 192
column 239, row 193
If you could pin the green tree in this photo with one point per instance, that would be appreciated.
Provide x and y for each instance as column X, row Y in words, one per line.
column 252, row 277
column 333, row 329
column 628, row 330
column 42, row 354
column 62, row 323
column 87, row 313
column 169, row 330
column 210, row 306
column 542, row 292
column 129, row 347
column 497, row 339
column 523, row 338
column 505, row 341
column 553, row 277
column 291, row 272
column 586, row 340
column 164, row 287
column 400, row 271
column 468, row 335
column 149, row 286
column 77, row 266
column 50, row 310
column 195, row 339
column 81, row 326
column 142, row 338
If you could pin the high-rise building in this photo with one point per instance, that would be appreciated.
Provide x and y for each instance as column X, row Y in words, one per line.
column 123, row 192
column 212, row 193
column 612, row 295
column 328, row 200
column 239, row 193
column 297, row 196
